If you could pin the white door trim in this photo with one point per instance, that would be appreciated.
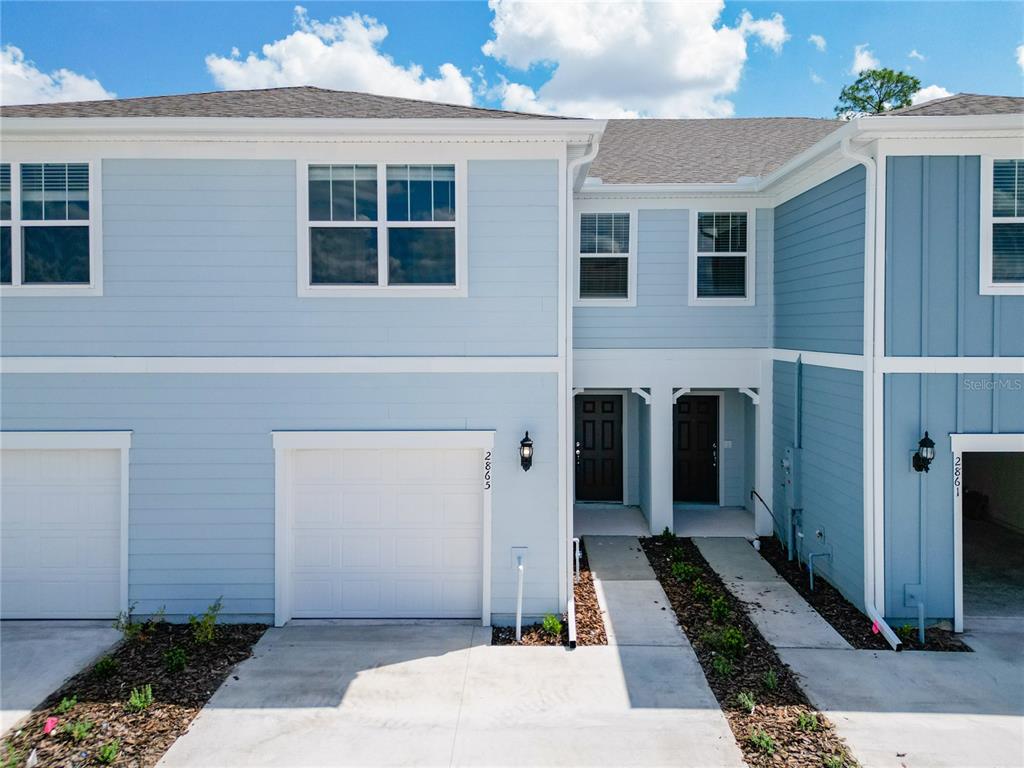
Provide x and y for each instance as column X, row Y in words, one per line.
column 64, row 441
column 960, row 444
column 286, row 443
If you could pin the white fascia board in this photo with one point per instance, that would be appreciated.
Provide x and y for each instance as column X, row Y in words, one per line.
column 383, row 439
column 229, row 128
column 37, row 440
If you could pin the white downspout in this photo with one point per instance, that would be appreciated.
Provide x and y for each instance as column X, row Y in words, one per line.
column 870, row 517
column 569, row 424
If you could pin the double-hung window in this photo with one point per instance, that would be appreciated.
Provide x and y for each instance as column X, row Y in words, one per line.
column 605, row 263
column 379, row 229
column 1002, row 226
column 722, row 258
column 48, row 239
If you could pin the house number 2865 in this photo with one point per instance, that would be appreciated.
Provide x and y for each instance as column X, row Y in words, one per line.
column 487, row 470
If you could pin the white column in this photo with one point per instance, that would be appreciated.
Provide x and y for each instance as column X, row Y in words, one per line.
column 765, row 462
column 661, row 459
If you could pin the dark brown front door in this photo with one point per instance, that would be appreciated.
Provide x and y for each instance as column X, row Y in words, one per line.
column 695, row 465
column 599, row 448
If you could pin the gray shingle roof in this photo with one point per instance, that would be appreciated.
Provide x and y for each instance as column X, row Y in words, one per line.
column 965, row 104
column 702, row 151
column 298, row 102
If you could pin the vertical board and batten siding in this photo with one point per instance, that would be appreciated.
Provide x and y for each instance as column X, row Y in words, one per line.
column 202, row 466
column 933, row 304
column 919, row 502
column 819, row 267
column 832, row 438
column 200, row 260
column 662, row 317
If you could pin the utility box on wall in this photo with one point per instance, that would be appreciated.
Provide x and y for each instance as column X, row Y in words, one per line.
column 792, row 465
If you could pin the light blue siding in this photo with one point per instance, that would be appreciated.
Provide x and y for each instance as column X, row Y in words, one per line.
column 918, row 502
column 662, row 317
column 202, row 466
column 932, row 301
column 819, row 267
column 734, row 451
column 832, row 437
column 200, row 259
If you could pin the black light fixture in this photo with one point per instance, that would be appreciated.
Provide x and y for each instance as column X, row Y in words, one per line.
column 526, row 452
column 925, row 453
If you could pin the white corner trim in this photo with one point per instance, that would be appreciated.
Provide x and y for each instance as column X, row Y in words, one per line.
column 986, row 285
column 823, row 359
column 750, row 268
column 109, row 440
column 755, row 398
column 642, row 393
column 286, row 443
column 950, row 364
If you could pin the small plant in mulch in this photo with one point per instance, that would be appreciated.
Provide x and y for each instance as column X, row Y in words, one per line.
column 204, row 627
column 65, row 706
column 77, row 730
column 686, row 572
column 551, row 625
column 175, row 660
column 807, row 721
column 11, row 757
column 140, row 699
column 105, row 667
column 720, row 610
column 722, row 666
column 762, row 741
column 770, row 679
column 107, row 753
column 747, row 701
column 835, row 761
column 702, row 591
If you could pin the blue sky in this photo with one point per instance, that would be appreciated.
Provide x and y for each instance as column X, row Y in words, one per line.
column 745, row 59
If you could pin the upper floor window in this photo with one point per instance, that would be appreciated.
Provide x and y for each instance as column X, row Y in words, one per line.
column 1002, row 226
column 382, row 228
column 48, row 242
column 606, row 263
column 721, row 258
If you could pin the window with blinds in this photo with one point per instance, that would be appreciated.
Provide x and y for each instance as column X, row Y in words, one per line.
column 722, row 251
column 1008, row 221
column 604, row 256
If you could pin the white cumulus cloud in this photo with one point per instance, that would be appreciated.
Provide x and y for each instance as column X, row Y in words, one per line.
column 928, row 93
column 816, row 78
column 343, row 53
column 21, row 82
column 863, row 59
column 916, row 54
column 1020, row 57
column 818, row 42
column 626, row 59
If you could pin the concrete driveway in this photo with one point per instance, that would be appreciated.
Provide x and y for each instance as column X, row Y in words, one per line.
column 439, row 695
column 36, row 657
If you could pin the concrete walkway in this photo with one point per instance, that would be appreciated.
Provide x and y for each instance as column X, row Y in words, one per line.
column 783, row 617
column 438, row 694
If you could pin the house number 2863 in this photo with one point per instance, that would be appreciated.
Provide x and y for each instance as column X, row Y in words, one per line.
column 487, row 470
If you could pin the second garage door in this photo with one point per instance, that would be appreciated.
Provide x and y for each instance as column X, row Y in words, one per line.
column 386, row 533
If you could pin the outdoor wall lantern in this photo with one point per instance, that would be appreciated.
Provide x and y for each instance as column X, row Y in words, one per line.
column 526, row 452
column 925, row 453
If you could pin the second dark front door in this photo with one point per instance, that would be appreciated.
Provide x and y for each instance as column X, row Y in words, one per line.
column 695, row 458
column 599, row 448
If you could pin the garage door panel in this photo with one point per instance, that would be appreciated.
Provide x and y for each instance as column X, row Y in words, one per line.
column 361, row 508
column 312, row 551
column 418, row 509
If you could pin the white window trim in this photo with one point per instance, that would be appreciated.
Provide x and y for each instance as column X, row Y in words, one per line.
column 987, row 287
column 631, row 268
column 94, row 222
column 286, row 443
column 751, row 266
column 461, row 287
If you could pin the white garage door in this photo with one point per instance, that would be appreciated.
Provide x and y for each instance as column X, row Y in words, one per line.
column 60, row 533
column 386, row 533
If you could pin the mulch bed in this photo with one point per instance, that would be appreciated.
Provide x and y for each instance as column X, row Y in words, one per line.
column 844, row 616
column 778, row 708
column 589, row 623
column 101, row 698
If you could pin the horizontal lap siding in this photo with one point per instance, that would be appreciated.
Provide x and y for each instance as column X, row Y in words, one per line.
column 942, row 403
column 662, row 317
column 933, row 304
column 833, row 491
column 819, row 267
column 200, row 259
column 202, row 466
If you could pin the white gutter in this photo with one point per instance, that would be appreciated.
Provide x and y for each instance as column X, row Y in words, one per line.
column 873, row 518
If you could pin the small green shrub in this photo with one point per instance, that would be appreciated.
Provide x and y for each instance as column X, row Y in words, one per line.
column 702, row 591
column 551, row 625
column 11, row 758
column 667, row 536
column 834, row 761
column 907, row 632
column 174, row 660
column 762, row 741
column 722, row 666
column 65, row 706
column 685, row 571
column 108, row 753
column 105, row 667
column 720, row 610
column 807, row 721
column 771, row 679
column 727, row 641
column 140, row 699
column 78, row 729
column 747, row 701
column 204, row 628
column 677, row 555
column 126, row 624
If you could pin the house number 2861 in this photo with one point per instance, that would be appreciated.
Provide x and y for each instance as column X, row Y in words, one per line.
column 487, row 470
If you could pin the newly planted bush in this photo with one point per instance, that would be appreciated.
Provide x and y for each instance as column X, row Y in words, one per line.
column 174, row 660
column 140, row 699
column 126, row 624
column 108, row 753
column 11, row 757
column 722, row 666
column 204, row 627
column 771, row 679
column 834, row 761
column 551, row 625
column 78, row 729
column 685, row 571
column 747, row 701
column 667, row 536
column 66, row 705
column 702, row 591
column 728, row 641
column 762, row 741
column 720, row 610
column 677, row 555
column 807, row 721
column 105, row 667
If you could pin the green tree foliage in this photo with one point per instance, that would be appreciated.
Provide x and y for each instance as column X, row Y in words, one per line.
column 877, row 91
